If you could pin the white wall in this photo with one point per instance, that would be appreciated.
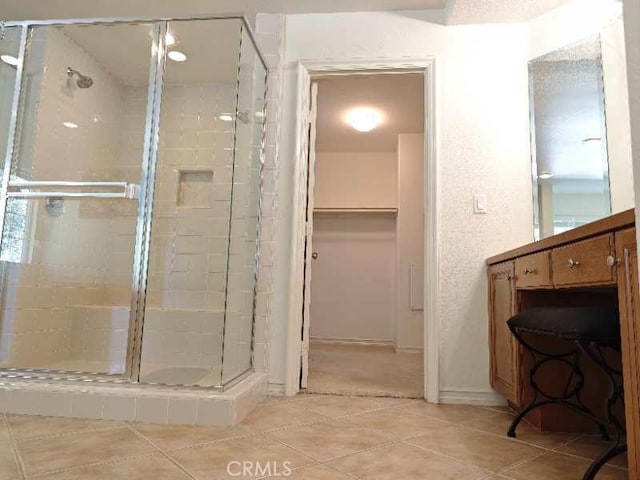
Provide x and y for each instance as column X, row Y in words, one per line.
column 410, row 230
column 359, row 255
column 482, row 116
column 356, row 180
column 353, row 279
column 574, row 22
column 353, row 293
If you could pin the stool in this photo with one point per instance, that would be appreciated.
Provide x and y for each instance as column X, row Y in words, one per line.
column 590, row 329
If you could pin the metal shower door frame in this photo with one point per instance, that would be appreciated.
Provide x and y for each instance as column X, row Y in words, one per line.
column 144, row 194
column 146, row 191
column 145, row 203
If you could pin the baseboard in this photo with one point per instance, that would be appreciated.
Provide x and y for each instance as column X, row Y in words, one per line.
column 408, row 350
column 487, row 398
column 275, row 389
column 351, row 341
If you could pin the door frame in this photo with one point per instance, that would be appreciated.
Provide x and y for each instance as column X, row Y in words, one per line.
column 308, row 232
column 431, row 341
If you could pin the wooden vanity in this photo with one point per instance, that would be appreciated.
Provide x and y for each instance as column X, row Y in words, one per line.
column 591, row 265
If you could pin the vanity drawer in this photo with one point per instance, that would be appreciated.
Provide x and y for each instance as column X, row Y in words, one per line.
column 584, row 263
column 533, row 271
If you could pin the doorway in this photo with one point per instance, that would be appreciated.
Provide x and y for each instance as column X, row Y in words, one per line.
column 363, row 315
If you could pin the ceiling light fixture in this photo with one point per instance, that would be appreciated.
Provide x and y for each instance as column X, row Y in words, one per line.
column 225, row 117
column 545, row 175
column 169, row 39
column 177, row 56
column 9, row 60
column 364, row 119
column 70, row 124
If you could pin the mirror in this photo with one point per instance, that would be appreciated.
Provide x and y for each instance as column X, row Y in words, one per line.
column 569, row 138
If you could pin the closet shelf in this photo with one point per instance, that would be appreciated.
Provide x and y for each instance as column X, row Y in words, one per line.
column 356, row 210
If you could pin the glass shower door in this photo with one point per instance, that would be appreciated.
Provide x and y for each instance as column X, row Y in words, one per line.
column 70, row 198
column 185, row 303
column 245, row 213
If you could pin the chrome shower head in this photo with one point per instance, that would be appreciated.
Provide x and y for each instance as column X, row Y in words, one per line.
column 84, row 81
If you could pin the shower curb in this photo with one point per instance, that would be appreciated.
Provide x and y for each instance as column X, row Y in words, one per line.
column 135, row 403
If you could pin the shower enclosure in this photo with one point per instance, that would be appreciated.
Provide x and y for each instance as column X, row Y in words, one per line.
column 130, row 199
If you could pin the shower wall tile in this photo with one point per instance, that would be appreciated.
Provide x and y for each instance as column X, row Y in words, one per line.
column 182, row 338
column 188, row 281
column 215, row 300
column 190, row 262
column 190, row 233
column 217, row 263
column 79, row 256
column 99, row 334
column 270, row 30
column 268, row 24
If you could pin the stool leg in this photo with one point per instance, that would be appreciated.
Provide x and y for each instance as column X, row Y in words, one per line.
column 616, row 393
column 570, row 398
column 524, row 412
column 601, row 461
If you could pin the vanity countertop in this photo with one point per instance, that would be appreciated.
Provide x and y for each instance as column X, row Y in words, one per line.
column 617, row 221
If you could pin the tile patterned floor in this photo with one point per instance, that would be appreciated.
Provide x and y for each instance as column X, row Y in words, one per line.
column 320, row 437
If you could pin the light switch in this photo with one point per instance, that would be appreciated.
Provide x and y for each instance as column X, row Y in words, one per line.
column 479, row 203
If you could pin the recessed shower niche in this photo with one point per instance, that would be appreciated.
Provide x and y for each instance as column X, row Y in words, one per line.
column 129, row 248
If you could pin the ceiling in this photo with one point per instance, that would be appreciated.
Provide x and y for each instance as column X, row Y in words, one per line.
column 398, row 97
column 39, row 9
column 460, row 11
column 498, row 11
column 586, row 49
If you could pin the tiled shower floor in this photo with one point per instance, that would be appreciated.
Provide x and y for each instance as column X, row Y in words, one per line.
column 323, row 437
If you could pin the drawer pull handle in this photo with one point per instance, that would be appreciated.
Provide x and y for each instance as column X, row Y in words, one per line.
column 611, row 261
column 529, row 271
column 573, row 263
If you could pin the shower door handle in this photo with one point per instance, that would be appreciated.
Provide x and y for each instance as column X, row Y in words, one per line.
column 123, row 189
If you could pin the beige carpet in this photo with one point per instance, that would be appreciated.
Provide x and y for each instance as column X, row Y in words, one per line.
column 364, row 370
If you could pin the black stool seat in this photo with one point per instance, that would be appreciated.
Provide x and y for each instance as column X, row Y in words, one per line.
column 589, row 330
column 596, row 324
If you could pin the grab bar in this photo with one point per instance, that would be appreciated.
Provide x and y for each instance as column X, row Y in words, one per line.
column 128, row 190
